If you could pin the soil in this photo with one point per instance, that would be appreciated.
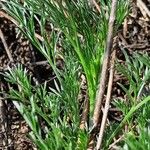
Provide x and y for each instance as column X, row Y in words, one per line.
column 134, row 35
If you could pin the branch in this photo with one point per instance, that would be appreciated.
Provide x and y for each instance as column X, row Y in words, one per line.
column 102, row 84
column 144, row 9
column 84, row 118
column 107, row 103
column 6, row 46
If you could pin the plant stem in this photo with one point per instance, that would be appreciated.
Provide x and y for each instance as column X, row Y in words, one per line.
column 107, row 103
column 102, row 84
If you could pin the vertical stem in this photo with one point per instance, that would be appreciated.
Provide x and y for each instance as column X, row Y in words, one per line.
column 103, row 79
column 107, row 103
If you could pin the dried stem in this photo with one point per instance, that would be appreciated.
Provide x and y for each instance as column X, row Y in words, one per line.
column 84, row 118
column 116, row 141
column 144, row 9
column 17, row 24
column 6, row 46
column 107, row 103
column 103, row 79
column 94, row 3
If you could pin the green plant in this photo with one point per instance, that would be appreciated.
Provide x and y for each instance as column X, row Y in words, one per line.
column 135, row 108
column 82, row 32
column 57, row 110
column 84, row 29
column 138, row 142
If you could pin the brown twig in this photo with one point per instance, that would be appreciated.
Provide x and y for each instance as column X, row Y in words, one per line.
column 17, row 24
column 85, row 113
column 6, row 46
column 103, row 79
column 3, row 120
column 143, row 8
column 91, row 142
column 96, row 5
column 116, row 141
column 107, row 103
column 3, row 124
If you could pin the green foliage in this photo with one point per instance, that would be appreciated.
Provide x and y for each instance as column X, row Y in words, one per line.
column 53, row 113
column 84, row 29
column 58, row 110
column 140, row 142
column 135, row 107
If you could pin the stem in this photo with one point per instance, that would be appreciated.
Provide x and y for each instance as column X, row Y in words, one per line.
column 104, row 73
column 107, row 103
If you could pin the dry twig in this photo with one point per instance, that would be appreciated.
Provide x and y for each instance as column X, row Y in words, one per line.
column 143, row 8
column 3, row 125
column 107, row 103
column 103, row 79
column 96, row 5
column 17, row 24
column 85, row 112
column 115, row 142
column 6, row 46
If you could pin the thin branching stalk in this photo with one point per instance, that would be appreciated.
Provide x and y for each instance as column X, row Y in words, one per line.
column 102, row 85
column 107, row 103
